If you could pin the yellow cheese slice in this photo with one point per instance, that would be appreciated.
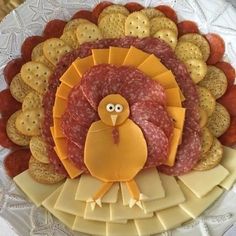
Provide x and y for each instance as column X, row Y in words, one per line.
column 173, row 196
column 89, row 226
column 116, row 229
column 57, row 128
column 71, row 77
column 49, row 202
column 59, row 107
column 63, row 91
column 202, row 182
column 135, row 57
column 167, row 80
column 153, row 190
column 173, row 217
column 149, row 226
column 61, row 147
column 83, row 64
column 173, row 97
column 100, row 56
column 229, row 162
column 117, row 55
column 193, row 205
column 152, row 66
column 35, row 191
column 66, row 200
column 89, row 185
column 72, row 170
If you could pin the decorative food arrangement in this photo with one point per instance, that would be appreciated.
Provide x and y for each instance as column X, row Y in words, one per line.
column 118, row 117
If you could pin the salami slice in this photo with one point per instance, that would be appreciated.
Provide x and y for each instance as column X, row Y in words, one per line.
column 169, row 12
column 133, row 6
column 100, row 7
column 85, row 14
column 54, row 29
column 229, row 137
column 187, row 26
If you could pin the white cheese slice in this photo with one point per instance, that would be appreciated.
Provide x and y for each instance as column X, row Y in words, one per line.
column 66, row 200
column 173, row 197
column 88, row 186
column 229, row 162
column 153, row 190
column 193, row 205
column 172, row 217
column 128, row 229
column 35, row 191
column 202, row 182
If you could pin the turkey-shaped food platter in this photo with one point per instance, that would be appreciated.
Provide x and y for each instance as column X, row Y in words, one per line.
column 121, row 114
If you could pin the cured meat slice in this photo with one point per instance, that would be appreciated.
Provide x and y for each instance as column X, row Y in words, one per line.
column 133, row 6
column 54, row 29
column 85, row 14
column 169, row 12
column 187, row 26
column 100, row 7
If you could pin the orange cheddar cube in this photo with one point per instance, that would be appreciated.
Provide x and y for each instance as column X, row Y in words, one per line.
column 100, row 56
column 59, row 107
column 71, row 77
column 57, row 128
column 83, row 64
column 173, row 97
column 63, row 91
column 117, row 55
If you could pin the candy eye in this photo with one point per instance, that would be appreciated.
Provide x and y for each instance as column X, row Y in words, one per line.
column 110, row 107
column 118, row 108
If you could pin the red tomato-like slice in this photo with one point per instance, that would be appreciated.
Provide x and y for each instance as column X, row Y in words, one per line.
column 187, row 26
column 12, row 68
column 228, row 70
column 17, row 162
column 217, row 47
column 229, row 137
column 54, row 29
column 85, row 14
column 100, row 7
column 169, row 12
column 133, row 6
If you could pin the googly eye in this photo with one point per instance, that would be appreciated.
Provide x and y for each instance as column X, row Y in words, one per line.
column 110, row 107
column 118, row 108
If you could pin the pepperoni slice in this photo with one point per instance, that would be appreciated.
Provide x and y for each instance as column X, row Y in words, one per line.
column 133, row 6
column 228, row 70
column 228, row 100
column 229, row 137
column 217, row 47
column 54, row 29
column 85, row 14
column 17, row 162
column 28, row 46
column 187, row 26
column 100, row 7
column 169, row 12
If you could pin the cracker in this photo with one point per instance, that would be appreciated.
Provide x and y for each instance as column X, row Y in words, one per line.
column 197, row 69
column 70, row 38
column 38, row 149
column 168, row 36
column 199, row 41
column 203, row 117
column 211, row 158
column 43, row 173
column 19, row 89
column 73, row 24
column 215, row 80
column 29, row 122
column 32, row 101
column 151, row 12
column 206, row 100
column 206, row 140
column 54, row 49
column 219, row 121
column 88, row 32
column 137, row 25
column 36, row 75
column 159, row 23
column 186, row 51
column 14, row 135
column 113, row 25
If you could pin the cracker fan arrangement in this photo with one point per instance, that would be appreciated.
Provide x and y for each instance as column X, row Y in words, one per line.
column 118, row 117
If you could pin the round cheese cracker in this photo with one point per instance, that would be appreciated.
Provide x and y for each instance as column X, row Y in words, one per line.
column 206, row 100
column 168, row 36
column 54, row 49
column 113, row 25
column 219, row 121
column 73, row 24
column 206, row 140
column 29, row 122
column 199, row 41
column 186, row 51
column 43, row 173
column 203, row 118
column 211, row 158
column 36, row 75
column 137, row 25
column 159, row 23
column 70, row 38
column 215, row 80
column 88, row 32
column 12, row 132
column 19, row 89
column 32, row 101
column 197, row 69
column 151, row 13
column 38, row 149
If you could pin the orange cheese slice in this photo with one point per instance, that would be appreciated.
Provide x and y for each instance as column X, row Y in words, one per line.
column 63, row 91
column 135, row 57
column 167, row 80
column 57, row 128
column 173, row 97
column 59, row 107
column 117, row 55
column 72, row 170
column 83, row 64
column 152, row 66
column 52, row 130
column 61, row 147
column 178, row 114
column 100, row 56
